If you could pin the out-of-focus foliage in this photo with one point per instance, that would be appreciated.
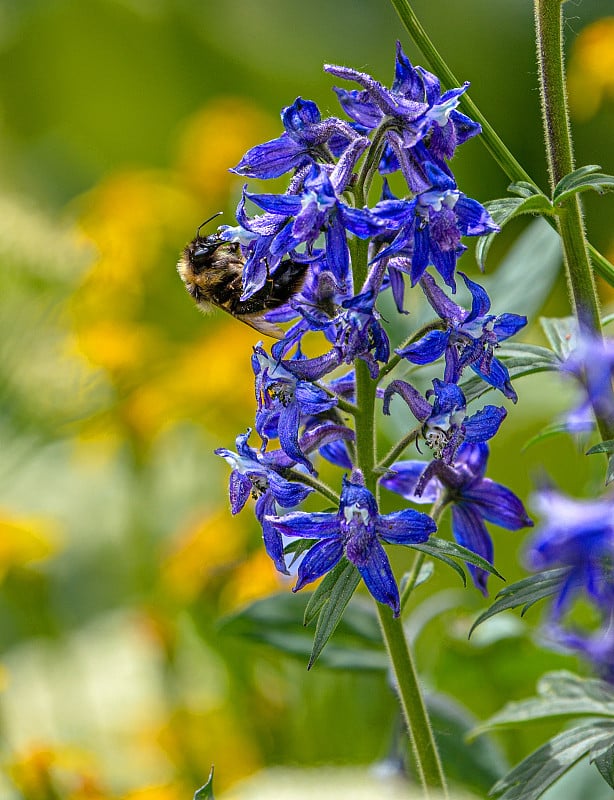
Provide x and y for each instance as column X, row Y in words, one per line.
column 118, row 553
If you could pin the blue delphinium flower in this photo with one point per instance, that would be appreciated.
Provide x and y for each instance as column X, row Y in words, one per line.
column 303, row 141
column 446, row 424
column 318, row 209
column 431, row 224
column 473, row 497
column 257, row 474
column 282, row 400
column 355, row 531
column 469, row 339
column 578, row 534
column 415, row 109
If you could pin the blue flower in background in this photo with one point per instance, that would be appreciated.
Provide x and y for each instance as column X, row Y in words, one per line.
column 356, row 531
column 469, row 339
column 473, row 497
column 592, row 364
column 446, row 424
column 578, row 534
column 598, row 648
column 257, row 474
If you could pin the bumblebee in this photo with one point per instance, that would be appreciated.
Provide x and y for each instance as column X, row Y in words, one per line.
column 212, row 271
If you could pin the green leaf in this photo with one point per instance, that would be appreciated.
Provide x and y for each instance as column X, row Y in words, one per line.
column 607, row 319
column 298, row 547
column 605, row 447
column 322, row 593
column 530, row 779
column 523, row 280
column 602, row 447
column 524, row 593
column 275, row 621
column 581, row 180
column 205, row 792
column 562, row 333
column 505, row 209
column 333, row 608
column 560, row 694
column 443, row 549
column 425, row 573
column 524, row 189
column 605, row 764
column 546, row 433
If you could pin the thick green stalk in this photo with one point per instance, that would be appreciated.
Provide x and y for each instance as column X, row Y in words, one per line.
column 419, row 728
column 549, row 38
column 559, row 149
column 423, row 743
column 491, row 140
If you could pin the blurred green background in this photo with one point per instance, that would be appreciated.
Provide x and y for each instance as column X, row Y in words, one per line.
column 118, row 553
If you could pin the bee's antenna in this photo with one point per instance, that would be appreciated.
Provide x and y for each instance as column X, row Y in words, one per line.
column 206, row 222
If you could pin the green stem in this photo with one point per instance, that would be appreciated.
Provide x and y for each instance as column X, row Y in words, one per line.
column 489, row 138
column 398, row 448
column 420, row 732
column 436, row 512
column 309, row 480
column 559, row 149
column 421, row 735
column 437, row 325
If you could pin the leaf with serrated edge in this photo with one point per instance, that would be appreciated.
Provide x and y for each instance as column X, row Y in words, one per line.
column 333, row 609
column 530, row 779
column 524, row 593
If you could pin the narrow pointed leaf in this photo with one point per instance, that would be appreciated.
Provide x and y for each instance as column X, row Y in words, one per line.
column 332, row 610
column 581, row 180
column 437, row 548
column 530, row 779
column 524, row 593
column 546, row 433
column 322, row 593
column 602, row 447
column 205, row 792
column 605, row 764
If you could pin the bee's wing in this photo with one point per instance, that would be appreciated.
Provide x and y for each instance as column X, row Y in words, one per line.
column 260, row 324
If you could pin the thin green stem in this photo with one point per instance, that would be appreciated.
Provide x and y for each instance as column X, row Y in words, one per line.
column 436, row 512
column 416, row 716
column 398, row 448
column 489, row 138
column 318, row 485
column 342, row 405
column 437, row 325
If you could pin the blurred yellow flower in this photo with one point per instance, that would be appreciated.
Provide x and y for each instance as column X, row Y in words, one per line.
column 253, row 578
column 156, row 793
column 199, row 740
column 201, row 551
column 215, row 139
column 591, row 68
column 46, row 771
column 25, row 540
